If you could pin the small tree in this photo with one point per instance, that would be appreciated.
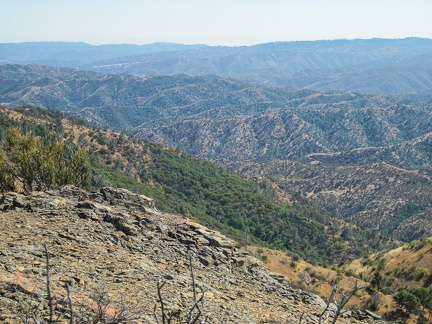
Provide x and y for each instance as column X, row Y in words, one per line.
column 408, row 301
column 33, row 163
column 6, row 178
column 424, row 296
column 379, row 281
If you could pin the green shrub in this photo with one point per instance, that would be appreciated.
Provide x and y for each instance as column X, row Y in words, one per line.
column 265, row 259
column 40, row 163
column 407, row 300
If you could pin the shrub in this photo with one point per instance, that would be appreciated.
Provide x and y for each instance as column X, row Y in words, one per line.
column 35, row 164
column 419, row 244
column 407, row 300
column 265, row 259
column 6, row 178
column 350, row 272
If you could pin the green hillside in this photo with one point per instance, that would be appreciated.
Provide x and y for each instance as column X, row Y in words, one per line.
column 374, row 195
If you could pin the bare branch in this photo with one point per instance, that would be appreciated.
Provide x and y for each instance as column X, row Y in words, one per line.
column 301, row 317
column 155, row 314
column 193, row 314
column 70, row 303
column 346, row 296
column 48, row 282
column 329, row 301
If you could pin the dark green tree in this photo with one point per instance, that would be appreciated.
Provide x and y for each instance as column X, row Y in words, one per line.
column 378, row 281
column 407, row 301
column 6, row 178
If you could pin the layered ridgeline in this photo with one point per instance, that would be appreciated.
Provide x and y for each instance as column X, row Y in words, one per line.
column 367, row 157
column 246, row 210
column 68, row 54
column 225, row 118
column 124, row 101
column 390, row 66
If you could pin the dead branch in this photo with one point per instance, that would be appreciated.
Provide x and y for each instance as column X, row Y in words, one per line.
column 48, row 282
column 193, row 314
column 345, row 297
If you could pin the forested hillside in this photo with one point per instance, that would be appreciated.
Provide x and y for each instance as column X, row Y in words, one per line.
column 376, row 195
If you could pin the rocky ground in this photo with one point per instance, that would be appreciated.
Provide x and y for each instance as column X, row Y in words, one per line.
column 113, row 248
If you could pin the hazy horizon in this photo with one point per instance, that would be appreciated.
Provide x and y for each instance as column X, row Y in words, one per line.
column 211, row 22
column 192, row 44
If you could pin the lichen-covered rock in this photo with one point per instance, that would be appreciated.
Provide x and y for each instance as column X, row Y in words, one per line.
column 117, row 196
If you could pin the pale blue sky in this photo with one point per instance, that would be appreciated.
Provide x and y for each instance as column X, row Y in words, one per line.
column 213, row 22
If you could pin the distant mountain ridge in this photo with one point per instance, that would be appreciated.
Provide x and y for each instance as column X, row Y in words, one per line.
column 386, row 66
column 389, row 66
column 124, row 101
column 74, row 54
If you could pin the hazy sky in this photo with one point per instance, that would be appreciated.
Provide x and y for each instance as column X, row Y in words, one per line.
column 213, row 22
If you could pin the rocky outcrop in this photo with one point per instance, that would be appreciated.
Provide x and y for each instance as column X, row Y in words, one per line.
column 117, row 242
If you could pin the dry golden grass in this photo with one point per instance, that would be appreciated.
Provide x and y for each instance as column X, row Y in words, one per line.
column 320, row 278
column 404, row 257
column 304, row 275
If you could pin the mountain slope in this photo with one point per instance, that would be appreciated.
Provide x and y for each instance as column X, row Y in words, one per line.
column 112, row 248
column 124, row 101
column 227, row 119
column 244, row 209
column 240, row 113
column 307, row 129
column 407, row 268
column 228, row 116
column 409, row 265
column 411, row 154
column 378, row 195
